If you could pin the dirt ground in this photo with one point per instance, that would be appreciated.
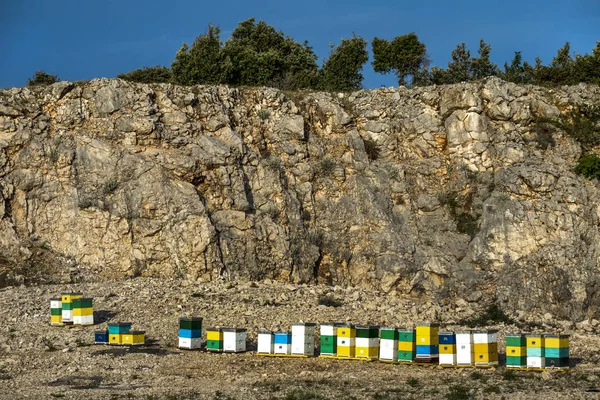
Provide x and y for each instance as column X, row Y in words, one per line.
column 38, row 361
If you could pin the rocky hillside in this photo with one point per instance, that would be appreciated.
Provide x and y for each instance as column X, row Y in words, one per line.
column 444, row 192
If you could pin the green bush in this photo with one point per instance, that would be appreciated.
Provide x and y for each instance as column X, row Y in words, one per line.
column 372, row 149
column 589, row 166
column 342, row 71
column 491, row 315
column 156, row 74
column 326, row 166
column 459, row 392
column 42, row 78
column 466, row 223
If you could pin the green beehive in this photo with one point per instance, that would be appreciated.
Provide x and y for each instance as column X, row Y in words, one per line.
column 214, row 339
column 406, row 345
column 192, row 323
column 329, row 339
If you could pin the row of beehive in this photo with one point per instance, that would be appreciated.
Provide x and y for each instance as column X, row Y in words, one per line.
column 537, row 351
column 425, row 343
column 299, row 342
column 71, row 309
column 217, row 339
column 120, row 334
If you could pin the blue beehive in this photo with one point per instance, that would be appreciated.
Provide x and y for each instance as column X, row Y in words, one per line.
column 283, row 343
column 101, row 337
column 427, row 351
column 190, row 333
column 447, row 338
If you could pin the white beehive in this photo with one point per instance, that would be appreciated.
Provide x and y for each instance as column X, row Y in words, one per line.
column 464, row 348
column 234, row 340
column 303, row 339
column 265, row 342
column 536, row 362
column 190, row 343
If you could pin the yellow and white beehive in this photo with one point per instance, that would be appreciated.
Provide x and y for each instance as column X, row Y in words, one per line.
column 56, row 311
column 67, row 308
column 485, row 347
column 366, row 342
column 447, row 348
column 83, row 311
column 346, row 338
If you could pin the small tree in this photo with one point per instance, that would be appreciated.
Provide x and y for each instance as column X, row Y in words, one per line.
column 42, row 78
column 404, row 56
column 459, row 68
column 203, row 63
column 156, row 74
column 482, row 66
column 260, row 55
column 518, row 71
column 342, row 71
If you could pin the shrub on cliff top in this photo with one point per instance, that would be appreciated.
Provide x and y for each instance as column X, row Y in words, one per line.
column 156, row 74
column 42, row 78
column 589, row 166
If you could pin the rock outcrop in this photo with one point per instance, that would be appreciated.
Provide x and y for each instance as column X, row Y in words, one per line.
column 446, row 192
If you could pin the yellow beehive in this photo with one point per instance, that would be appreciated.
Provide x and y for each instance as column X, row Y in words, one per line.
column 366, row 352
column 427, row 334
column 214, row 335
column 115, row 338
column 56, row 319
column 68, row 297
column 535, row 341
column 557, row 342
column 447, row 349
column 516, row 351
column 406, row 346
column 485, row 352
column 346, row 331
column 81, row 312
column 139, row 337
column 127, row 338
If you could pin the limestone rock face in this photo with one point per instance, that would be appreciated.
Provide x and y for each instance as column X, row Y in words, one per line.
column 438, row 192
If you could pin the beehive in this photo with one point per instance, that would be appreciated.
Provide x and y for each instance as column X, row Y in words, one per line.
column 66, row 300
column 214, row 339
column 101, row 337
column 464, row 348
column 346, row 339
column 303, row 339
column 190, row 333
column 83, row 311
column 116, row 331
column 427, row 342
column 366, row 341
column 283, row 343
column 329, row 339
column 388, row 344
column 516, row 350
column 535, row 351
column 138, row 338
column 556, row 351
column 447, row 348
column 485, row 347
column 234, row 340
column 265, row 343
column 56, row 311
column 406, row 345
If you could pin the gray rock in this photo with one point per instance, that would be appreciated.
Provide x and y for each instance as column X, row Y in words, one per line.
column 434, row 192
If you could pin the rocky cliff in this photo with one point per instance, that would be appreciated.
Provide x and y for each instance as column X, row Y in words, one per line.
column 446, row 192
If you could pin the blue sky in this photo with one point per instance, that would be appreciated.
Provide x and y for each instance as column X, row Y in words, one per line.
column 84, row 39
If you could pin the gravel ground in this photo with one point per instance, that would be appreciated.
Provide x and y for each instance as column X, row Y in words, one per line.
column 40, row 361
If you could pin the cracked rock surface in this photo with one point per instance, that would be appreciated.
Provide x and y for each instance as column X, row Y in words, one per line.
column 438, row 192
